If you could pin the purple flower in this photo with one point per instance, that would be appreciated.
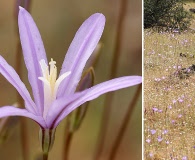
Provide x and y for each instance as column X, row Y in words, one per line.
column 148, row 140
column 184, row 158
column 173, row 121
column 180, row 100
column 170, row 107
column 153, row 131
column 151, row 154
column 165, row 131
column 155, row 109
column 163, row 77
column 188, row 70
column 174, row 101
column 159, row 138
column 55, row 98
column 180, row 115
column 157, row 79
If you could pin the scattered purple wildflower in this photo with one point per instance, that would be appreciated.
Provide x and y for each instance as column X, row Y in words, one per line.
column 155, row 109
column 153, row 131
column 165, row 131
column 148, row 140
column 159, row 138
column 184, row 158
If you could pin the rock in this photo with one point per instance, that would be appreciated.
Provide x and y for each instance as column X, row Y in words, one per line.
column 192, row 10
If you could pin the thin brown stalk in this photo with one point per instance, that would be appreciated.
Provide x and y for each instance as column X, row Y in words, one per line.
column 68, row 138
column 124, row 125
column 114, row 65
column 27, row 4
column 24, row 139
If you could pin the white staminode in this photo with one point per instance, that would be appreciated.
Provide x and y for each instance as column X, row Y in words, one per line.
column 50, row 83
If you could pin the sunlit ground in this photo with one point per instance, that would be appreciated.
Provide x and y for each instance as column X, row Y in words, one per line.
column 169, row 96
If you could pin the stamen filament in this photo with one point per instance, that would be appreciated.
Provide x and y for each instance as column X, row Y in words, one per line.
column 50, row 83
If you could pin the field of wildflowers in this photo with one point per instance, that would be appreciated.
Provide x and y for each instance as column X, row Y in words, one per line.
column 169, row 98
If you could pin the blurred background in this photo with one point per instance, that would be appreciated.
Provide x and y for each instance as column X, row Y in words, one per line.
column 58, row 21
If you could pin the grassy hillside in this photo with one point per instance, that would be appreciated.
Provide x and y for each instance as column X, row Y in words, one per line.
column 169, row 95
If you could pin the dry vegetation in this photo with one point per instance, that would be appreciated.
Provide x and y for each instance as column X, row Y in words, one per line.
column 169, row 96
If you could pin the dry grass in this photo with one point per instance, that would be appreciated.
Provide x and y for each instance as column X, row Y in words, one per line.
column 169, row 96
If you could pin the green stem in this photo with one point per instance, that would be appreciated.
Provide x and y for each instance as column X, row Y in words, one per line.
column 124, row 125
column 109, row 96
column 46, row 137
column 45, row 156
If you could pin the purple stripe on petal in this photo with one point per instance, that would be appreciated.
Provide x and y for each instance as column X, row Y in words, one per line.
column 33, row 51
column 13, row 111
column 81, row 48
column 10, row 74
column 92, row 93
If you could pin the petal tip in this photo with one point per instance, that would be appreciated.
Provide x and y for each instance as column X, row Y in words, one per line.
column 21, row 8
column 99, row 16
column 21, row 12
column 139, row 79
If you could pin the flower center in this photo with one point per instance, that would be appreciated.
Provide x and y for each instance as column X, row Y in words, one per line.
column 50, row 82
